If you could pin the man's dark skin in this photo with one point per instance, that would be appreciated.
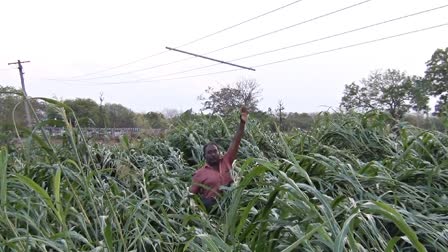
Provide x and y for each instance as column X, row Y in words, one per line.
column 212, row 155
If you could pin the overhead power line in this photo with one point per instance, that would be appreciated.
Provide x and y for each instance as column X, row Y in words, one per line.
column 290, row 26
column 232, row 45
column 295, row 45
column 167, row 79
column 238, row 24
column 288, row 59
column 192, row 41
column 341, row 33
column 125, row 73
column 119, row 66
column 353, row 45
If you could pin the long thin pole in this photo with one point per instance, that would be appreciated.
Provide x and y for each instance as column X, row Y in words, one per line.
column 27, row 109
column 204, row 57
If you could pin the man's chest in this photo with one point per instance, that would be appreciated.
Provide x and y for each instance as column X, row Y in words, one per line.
column 214, row 178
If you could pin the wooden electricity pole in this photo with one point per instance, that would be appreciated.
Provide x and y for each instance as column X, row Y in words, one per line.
column 27, row 109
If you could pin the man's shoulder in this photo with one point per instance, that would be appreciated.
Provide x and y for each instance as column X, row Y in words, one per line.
column 226, row 158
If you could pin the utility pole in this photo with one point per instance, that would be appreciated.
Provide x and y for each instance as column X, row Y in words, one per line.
column 280, row 110
column 27, row 109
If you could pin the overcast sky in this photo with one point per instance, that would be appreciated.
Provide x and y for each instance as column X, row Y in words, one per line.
column 70, row 40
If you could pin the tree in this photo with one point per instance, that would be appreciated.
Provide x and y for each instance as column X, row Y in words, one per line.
column 229, row 98
column 86, row 111
column 171, row 113
column 437, row 74
column 392, row 91
column 355, row 97
column 302, row 121
column 156, row 120
column 118, row 116
column 140, row 121
column 12, row 113
column 10, row 100
column 419, row 94
column 53, row 113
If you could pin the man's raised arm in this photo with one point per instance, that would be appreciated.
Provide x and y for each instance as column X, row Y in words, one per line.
column 233, row 148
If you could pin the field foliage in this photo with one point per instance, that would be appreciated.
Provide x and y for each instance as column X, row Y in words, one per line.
column 354, row 182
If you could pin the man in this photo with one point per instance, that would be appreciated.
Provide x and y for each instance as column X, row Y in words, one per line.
column 216, row 171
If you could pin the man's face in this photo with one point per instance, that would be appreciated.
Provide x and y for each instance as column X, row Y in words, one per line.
column 212, row 154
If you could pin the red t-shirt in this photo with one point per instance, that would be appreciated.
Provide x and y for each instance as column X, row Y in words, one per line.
column 207, row 181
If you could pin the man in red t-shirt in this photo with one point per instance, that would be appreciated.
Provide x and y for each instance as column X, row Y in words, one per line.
column 216, row 171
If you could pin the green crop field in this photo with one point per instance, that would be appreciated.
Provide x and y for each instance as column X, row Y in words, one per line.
column 354, row 182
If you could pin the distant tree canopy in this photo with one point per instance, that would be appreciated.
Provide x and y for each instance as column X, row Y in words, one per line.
column 90, row 114
column 109, row 115
column 229, row 98
column 437, row 75
column 156, row 120
column 296, row 120
column 86, row 111
column 392, row 91
column 118, row 116
column 12, row 109
column 7, row 103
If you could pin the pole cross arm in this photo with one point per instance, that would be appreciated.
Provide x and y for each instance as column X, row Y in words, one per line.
column 204, row 57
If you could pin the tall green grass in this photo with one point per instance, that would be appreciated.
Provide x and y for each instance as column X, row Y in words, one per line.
column 355, row 182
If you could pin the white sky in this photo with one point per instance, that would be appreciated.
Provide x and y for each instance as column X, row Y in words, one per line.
column 64, row 39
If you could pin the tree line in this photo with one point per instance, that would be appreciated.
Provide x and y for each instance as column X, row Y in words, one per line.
column 392, row 91
column 87, row 111
column 397, row 93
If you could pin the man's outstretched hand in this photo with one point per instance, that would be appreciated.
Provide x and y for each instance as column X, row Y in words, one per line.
column 244, row 114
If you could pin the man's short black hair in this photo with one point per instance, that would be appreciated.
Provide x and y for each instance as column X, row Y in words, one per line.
column 207, row 144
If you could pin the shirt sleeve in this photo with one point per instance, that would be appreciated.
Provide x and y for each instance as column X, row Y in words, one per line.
column 235, row 144
column 196, row 182
column 227, row 161
column 230, row 155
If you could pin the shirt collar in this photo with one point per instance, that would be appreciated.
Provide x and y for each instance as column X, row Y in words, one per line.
column 207, row 166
